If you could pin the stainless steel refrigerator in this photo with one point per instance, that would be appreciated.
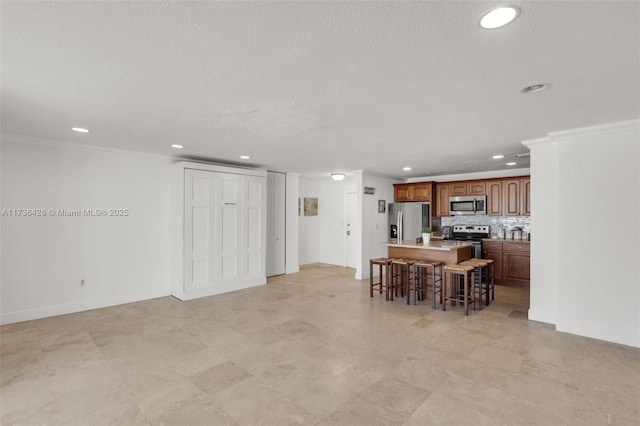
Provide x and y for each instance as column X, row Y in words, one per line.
column 406, row 220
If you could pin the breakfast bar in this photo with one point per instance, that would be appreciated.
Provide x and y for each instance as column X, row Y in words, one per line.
column 436, row 250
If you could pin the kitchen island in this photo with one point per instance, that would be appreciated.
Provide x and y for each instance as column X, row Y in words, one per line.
column 437, row 250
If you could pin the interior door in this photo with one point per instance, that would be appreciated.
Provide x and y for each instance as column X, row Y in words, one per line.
column 351, row 204
column 255, row 223
column 275, row 224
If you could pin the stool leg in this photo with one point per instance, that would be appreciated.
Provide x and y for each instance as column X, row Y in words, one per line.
column 444, row 290
column 371, row 279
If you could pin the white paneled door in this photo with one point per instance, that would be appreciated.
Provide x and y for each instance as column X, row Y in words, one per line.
column 275, row 224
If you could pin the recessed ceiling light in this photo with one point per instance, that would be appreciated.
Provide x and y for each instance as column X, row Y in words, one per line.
column 80, row 130
column 406, row 169
column 499, row 17
column 177, row 146
column 535, row 88
column 337, row 176
column 513, row 163
column 245, row 157
column 497, row 157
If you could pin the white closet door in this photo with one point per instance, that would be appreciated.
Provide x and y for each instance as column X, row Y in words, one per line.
column 199, row 253
column 275, row 224
column 228, row 226
column 255, row 223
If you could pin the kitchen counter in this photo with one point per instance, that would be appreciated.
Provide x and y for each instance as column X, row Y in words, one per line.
column 436, row 250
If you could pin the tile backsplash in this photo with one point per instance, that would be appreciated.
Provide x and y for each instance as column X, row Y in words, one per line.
column 494, row 222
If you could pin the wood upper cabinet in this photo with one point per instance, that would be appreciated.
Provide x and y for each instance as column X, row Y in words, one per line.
column 457, row 189
column 420, row 191
column 442, row 190
column 494, row 198
column 525, row 196
column 511, row 197
column 476, row 188
column 516, row 197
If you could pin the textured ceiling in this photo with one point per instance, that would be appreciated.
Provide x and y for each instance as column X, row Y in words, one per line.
column 316, row 87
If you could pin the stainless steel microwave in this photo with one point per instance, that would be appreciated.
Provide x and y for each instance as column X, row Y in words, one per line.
column 469, row 205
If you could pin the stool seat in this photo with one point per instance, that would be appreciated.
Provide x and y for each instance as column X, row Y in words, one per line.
column 427, row 263
column 458, row 267
column 380, row 261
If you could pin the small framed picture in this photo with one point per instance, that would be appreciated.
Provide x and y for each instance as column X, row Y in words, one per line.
column 382, row 206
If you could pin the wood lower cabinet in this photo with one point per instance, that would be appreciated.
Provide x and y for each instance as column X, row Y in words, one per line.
column 511, row 261
column 516, row 262
column 493, row 250
column 442, row 191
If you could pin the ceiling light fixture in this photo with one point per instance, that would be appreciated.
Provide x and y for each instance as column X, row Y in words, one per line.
column 497, row 157
column 177, row 146
column 535, row 88
column 337, row 176
column 499, row 17
column 513, row 163
column 406, row 169
column 245, row 157
column 80, row 130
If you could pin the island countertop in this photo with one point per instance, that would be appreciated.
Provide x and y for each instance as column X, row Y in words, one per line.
column 433, row 245
column 438, row 250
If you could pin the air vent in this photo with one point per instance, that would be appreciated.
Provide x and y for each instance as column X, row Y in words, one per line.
column 524, row 154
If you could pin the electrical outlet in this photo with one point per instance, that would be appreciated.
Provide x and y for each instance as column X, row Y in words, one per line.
column 81, row 282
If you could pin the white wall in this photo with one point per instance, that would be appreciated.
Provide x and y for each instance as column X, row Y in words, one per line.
column 122, row 259
column 292, row 226
column 374, row 224
column 544, row 231
column 321, row 237
column 597, row 284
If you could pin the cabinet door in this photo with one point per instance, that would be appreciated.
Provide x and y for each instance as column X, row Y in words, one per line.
column 494, row 198
column 511, row 197
column 421, row 192
column 525, row 194
column 228, row 226
column 517, row 266
column 476, row 188
column 402, row 192
column 442, row 190
column 457, row 189
column 496, row 256
column 199, row 252
column 254, row 223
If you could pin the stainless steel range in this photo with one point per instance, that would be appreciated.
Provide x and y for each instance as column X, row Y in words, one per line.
column 472, row 234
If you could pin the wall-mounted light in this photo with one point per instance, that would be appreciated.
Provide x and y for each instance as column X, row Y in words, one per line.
column 338, row 176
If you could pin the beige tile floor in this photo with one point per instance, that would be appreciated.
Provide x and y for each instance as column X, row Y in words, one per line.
column 311, row 348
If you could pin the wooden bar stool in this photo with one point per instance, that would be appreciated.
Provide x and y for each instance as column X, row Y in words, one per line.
column 400, row 277
column 481, row 281
column 383, row 263
column 489, row 279
column 425, row 274
column 466, row 295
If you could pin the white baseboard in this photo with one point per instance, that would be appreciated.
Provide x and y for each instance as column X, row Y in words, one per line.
column 71, row 308
column 292, row 269
column 308, row 261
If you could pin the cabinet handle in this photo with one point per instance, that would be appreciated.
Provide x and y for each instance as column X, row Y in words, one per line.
column 229, row 204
